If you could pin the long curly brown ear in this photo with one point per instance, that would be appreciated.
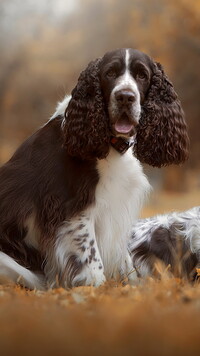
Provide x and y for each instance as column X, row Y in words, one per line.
column 162, row 137
column 86, row 128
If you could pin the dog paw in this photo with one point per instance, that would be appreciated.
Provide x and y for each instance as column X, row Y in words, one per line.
column 89, row 277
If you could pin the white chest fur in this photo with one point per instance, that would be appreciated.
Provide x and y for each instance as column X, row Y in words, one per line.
column 119, row 196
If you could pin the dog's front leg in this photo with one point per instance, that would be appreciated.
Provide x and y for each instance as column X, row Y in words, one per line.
column 76, row 259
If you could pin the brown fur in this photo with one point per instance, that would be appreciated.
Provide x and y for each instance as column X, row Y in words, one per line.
column 162, row 137
column 86, row 130
column 40, row 179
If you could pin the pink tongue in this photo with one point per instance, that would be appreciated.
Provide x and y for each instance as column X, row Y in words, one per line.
column 123, row 127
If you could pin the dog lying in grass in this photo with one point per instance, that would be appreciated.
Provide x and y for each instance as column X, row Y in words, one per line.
column 173, row 239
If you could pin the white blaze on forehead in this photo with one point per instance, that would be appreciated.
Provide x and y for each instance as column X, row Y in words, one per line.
column 127, row 56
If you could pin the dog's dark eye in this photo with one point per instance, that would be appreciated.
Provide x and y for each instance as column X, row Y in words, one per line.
column 142, row 76
column 111, row 73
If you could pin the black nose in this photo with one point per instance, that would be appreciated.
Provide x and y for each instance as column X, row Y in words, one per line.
column 125, row 97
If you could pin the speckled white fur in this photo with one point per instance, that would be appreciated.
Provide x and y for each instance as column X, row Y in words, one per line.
column 143, row 230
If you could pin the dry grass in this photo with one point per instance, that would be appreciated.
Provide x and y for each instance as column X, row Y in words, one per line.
column 157, row 317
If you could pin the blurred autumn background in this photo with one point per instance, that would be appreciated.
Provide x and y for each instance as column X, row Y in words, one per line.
column 45, row 44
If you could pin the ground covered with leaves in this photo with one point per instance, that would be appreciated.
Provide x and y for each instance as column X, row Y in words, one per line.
column 157, row 317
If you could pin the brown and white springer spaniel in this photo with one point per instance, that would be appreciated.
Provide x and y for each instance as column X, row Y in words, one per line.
column 72, row 191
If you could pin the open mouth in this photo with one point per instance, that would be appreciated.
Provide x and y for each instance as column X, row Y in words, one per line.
column 124, row 125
